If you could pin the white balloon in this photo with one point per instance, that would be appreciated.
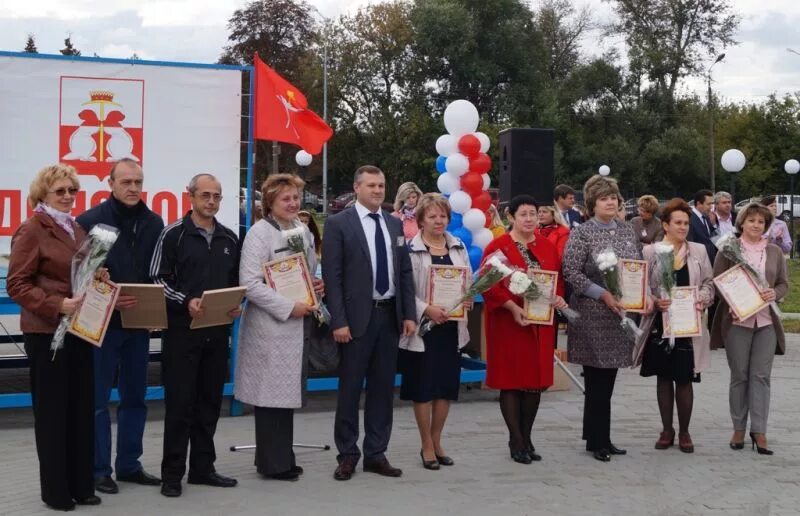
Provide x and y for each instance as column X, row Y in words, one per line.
column 461, row 117
column 303, row 158
column 487, row 182
column 456, row 164
column 474, row 219
column 460, row 201
column 733, row 160
column 448, row 183
column 446, row 145
column 604, row 170
column 482, row 237
column 485, row 142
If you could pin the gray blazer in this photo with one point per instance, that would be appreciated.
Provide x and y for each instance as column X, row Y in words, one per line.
column 347, row 272
column 776, row 276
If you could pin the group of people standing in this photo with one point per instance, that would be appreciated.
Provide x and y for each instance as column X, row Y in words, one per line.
column 374, row 282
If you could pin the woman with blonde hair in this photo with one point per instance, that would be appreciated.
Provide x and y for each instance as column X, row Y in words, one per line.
column 553, row 227
column 405, row 204
column 62, row 387
column 646, row 225
column 273, row 341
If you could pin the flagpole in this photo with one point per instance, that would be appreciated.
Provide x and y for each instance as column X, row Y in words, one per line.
column 325, row 119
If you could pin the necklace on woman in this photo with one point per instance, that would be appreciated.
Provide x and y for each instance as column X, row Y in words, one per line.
column 441, row 247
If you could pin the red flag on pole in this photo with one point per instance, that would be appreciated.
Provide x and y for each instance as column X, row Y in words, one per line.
column 282, row 114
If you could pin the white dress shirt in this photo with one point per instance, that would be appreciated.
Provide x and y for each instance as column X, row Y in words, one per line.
column 725, row 226
column 369, row 231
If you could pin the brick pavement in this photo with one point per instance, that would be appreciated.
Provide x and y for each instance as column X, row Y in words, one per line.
column 714, row 480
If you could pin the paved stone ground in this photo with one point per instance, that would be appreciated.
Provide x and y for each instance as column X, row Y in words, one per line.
column 714, row 480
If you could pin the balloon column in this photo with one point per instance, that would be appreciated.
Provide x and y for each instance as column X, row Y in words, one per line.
column 464, row 166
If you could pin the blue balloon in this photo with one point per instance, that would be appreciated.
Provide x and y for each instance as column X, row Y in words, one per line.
column 456, row 219
column 440, row 164
column 464, row 234
column 475, row 256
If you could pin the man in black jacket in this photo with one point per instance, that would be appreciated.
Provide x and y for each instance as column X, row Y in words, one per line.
column 193, row 255
column 125, row 353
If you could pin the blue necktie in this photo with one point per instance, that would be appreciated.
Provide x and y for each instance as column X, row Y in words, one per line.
column 381, row 262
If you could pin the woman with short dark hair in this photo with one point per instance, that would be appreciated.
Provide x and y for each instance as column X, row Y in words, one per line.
column 751, row 345
column 646, row 225
column 519, row 359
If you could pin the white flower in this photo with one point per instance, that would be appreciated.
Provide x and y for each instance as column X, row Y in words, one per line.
column 662, row 248
column 294, row 232
column 724, row 240
column 499, row 265
column 606, row 260
column 105, row 237
column 519, row 283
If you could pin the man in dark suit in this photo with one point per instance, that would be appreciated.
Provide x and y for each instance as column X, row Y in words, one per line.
column 701, row 228
column 564, row 199
column 370, row 294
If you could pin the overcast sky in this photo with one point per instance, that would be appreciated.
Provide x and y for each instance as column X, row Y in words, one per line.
column 195, row 31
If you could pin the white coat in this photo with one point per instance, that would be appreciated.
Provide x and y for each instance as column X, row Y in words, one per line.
column 270, row 362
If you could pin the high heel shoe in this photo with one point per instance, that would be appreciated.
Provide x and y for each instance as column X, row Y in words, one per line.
column 736, row 446
column 429, row 464
column 444, row 460
column 759, row 449
column 535, row 457
column 521, row 456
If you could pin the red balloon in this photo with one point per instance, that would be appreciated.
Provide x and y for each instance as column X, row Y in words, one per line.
column 482, row 201
column 469, row 145
column 488, row 219
column 472, row 183
column 480, row 164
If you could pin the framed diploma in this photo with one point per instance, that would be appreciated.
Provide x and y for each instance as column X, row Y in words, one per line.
column 150, row 312
column 683, row 319
column 291, row 278
column 540, row 311
column 446, row 287
column 91, row 320
column 216, row 304
column 633, row 279
column 740, row 291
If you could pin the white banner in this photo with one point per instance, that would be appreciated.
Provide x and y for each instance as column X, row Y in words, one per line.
column 177, row 121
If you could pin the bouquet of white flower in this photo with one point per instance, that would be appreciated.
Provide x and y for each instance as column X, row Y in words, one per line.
column 608, row 262
column 731, row 248
column 665, row 259
column 90, row 257
column 296, row 242
column 495, row 268
column 520, row 284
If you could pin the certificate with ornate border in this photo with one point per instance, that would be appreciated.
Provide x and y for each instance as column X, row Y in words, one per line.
column 633, row 280
column 683, row 319
column 446, row 286
column 740, row 291
column 540, row 311
column 290, row 278
column 91, row 320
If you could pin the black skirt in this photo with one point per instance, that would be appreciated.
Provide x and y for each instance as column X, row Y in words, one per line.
column 677, row 365
column 433, row 374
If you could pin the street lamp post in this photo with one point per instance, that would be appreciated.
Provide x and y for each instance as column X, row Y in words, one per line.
column 792, row 167
column 711, row 123
column 733, row 162
column 324, row 111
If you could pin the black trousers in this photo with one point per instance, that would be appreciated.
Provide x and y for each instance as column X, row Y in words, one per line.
column 599, row 384
column 194, row 366
column 63, row 410
column 274, row 433
column 373, row 357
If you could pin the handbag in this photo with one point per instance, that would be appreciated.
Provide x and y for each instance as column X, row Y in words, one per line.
column 323, row 350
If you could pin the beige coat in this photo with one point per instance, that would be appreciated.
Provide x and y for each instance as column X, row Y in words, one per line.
column 700, row 276
column 271, row 359
column 420, row 261
column 776, row 275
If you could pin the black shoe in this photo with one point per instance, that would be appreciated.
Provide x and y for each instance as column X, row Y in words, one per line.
column 759, row 449
column 288, row 476
column 212, row 479
column 521, row 456
column 602, row 455
column 66, row 506
column 297, row 469
column 171, row 489
column 535, row 457
column 429, row 464
column 382, row 467
column 613, row 450
column 736, row 446
column 444, row 460
column 141, row 477
column 106, row 485
column 89, row 500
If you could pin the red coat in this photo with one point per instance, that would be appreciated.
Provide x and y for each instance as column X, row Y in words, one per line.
column 557, row 234
column 518, row 357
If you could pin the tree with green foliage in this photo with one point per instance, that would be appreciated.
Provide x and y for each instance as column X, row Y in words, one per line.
column 69, row 49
